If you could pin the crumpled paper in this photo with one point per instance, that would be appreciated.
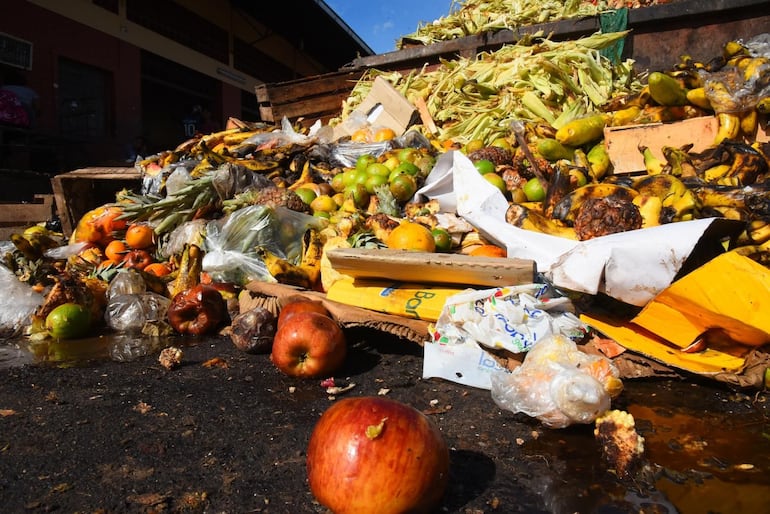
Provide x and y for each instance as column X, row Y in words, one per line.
column 631, row 266
column 511, row 318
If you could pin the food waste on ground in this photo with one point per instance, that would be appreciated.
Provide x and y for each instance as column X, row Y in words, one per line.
column 263, row 202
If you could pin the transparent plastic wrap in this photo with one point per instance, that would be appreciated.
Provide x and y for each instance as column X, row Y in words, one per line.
column 738, row 87
column 130, row 313
column 558, row 384
column 231, row 243
column 345, row 154
column 17, row 305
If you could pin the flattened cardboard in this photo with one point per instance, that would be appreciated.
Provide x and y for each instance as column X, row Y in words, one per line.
column 623, row 142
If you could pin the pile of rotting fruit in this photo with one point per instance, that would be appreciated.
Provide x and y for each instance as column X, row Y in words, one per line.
column 264, row 203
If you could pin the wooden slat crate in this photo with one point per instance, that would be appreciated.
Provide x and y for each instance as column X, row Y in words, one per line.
column 15, row 217
column 79, row 191
column 312, row 98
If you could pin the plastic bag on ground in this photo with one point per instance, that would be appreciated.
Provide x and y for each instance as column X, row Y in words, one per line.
column 130, row 312
column 558, row 384
column 18, row 303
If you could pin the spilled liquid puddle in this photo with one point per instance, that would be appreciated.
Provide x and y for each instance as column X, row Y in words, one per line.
column 714, row 462
column 78, row 352
column 704, row 457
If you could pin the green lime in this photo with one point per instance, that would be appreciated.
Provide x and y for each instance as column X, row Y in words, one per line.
column 377, row 168
column 408, row 168
column 403, row 187
column 68, row 321
column 442, row 238
column 348, row 177
column 534, row 191
column 485, row 166
column 363, row 161
column 306, row 194
column 375, row 181
column 407, row 154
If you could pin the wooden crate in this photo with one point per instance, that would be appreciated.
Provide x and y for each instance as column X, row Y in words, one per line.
column 15, row 217
column 79, row 191
column 313, row 98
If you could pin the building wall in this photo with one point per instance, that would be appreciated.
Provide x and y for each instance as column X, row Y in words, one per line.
column 98, row 33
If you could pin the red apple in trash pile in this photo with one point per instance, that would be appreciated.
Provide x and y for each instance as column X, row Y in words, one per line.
column 197, row 311
column 376, row 455
column 309, row 345
column 298, row 303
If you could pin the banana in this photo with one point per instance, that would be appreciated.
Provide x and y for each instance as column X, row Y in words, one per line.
column 552, row 150
column 746, row 166
column 749, row 123
column 717, row 196
column 652, row 164
column 679, row 161
column 283, row 271
column 678, row 202
column 582, row 131
column 624, row 116
column 715, row 173
column 733, row 48
column 758, row 231
column 763, row 105
column 568, row 207
column 666, row 90
column 756, row 69
column 305, row 178
column 311, row 255
column 729, row 127
column 598, row 161
column 188, row 273
column 307, row 273
column 697, row 97
column 24, row 246
column 527, row 219
column 650, row 208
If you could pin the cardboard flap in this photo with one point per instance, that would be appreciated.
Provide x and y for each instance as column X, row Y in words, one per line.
column 730, row 293
column 385, row 106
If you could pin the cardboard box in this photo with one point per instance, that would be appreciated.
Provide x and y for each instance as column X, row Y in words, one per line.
column 623, row 142
column 384, row 106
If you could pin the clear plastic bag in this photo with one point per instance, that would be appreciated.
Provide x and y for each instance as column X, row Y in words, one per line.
column 18, row 303
column 231, row 243
column 129, row 313
column 558, row 384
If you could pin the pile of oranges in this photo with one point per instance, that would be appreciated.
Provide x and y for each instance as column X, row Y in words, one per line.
column 111, row 240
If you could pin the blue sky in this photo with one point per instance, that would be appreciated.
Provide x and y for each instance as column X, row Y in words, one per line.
column 380, row 24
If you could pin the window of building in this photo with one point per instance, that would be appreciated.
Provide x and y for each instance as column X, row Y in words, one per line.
column 85, row 110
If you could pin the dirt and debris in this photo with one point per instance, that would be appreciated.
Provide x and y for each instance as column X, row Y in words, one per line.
column 225, row 431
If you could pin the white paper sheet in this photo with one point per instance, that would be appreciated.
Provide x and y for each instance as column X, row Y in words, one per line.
column 630, row 266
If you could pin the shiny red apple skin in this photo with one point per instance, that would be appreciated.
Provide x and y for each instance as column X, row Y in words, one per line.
column 309, row 345
column 403, row 468
column 297, row 304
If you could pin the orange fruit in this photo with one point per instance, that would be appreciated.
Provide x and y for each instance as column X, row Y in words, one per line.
column 411, row 236
column 159, row 269
column 383, row 134
column 116, row 251
column 487, row 250
column 139, row 236
column 363, row 135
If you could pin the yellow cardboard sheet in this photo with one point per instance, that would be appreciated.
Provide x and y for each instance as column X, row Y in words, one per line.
column 729, row 294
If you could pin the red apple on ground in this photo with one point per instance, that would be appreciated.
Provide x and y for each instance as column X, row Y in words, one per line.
column 299, row 303
column 309, row 345
column 379, row 456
